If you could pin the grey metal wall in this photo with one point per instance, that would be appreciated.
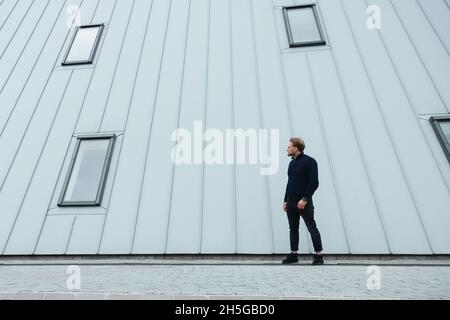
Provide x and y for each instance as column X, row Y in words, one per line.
column 362, row 104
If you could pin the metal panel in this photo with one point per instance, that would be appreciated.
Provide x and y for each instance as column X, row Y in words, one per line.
column 252, row 204
column 55, row 235
column 119, row 228
column 276, row 113
column 7, row 7
column 427, row 43
column 110, row 51
column 187, row 192
column 425, row 96
column 12, row 25
column 29, row 150
column 154, row 205
column 362, row 103
column 420, row 168
column 328, row 212
column 358, row 202
column 18, row 66
column 20, row 104
column 19, row 170
column 219, row 222
column 12, row 83
column 391, row 191
column 85, row 236
column 118, row 102
column 50, row 155
column 126, row 191
column 438, row 15
column 17, row 44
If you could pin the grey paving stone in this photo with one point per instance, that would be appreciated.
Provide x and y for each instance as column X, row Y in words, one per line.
column 147, row 281
column 21, row 296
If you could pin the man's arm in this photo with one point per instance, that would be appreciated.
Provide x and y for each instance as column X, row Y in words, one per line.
column 285, row 194
column 313, row 180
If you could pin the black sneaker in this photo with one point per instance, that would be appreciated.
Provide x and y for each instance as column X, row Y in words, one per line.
column 318, row 260
column 291, row 258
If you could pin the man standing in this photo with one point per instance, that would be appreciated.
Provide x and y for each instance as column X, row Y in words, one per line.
column 303, row 181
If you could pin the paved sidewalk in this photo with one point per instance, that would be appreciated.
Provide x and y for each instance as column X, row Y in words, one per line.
column 222, row 279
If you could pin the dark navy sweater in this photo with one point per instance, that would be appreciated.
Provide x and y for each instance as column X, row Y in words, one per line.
column 303, row 178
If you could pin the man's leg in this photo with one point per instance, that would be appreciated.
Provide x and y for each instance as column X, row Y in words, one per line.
column 294, row 221
column 308, row 217
column 293, row 215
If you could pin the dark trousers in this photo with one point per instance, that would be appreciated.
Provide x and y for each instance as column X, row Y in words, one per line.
column 293, row 214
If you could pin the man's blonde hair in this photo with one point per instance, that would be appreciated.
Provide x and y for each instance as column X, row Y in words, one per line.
column 298, row 143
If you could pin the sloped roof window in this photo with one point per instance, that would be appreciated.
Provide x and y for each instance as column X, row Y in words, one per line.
column 441, row 126
column 84, row 45
column 303, row 26
column 89, row 166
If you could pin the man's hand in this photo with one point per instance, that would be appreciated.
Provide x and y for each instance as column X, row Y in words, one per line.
column 285, row 207
column 301, row 204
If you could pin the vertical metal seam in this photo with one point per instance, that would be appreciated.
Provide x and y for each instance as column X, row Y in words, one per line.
column 286, row 94
column 411, row 106
column 70, row 234
column 130, row 103
column 407, row 96
column 329, row 156
column 122, row 141
column 33, row 68
column 17, row 29
column 95, row 11
column 180, row 101
column 2, row 183
column 73, row 135
column 438, row 92
column 24, row 47
column 360, row 149
column 283, row 75
column 9, row 14
column 447, row 3
column 37, row 163
column 378, row 103
column 261, row 119
column 432, row 26
column 204, row 122
column 233, row 121
column 92, row 73
column 149, row 135
column 117, row 65
column 67, row 149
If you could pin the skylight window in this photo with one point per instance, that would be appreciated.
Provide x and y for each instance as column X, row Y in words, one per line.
column 441, row 126
column 85, row 181
column 303, row 26
column 84, row 45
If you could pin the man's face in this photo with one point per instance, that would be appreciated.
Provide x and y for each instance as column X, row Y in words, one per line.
column 291, row 150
